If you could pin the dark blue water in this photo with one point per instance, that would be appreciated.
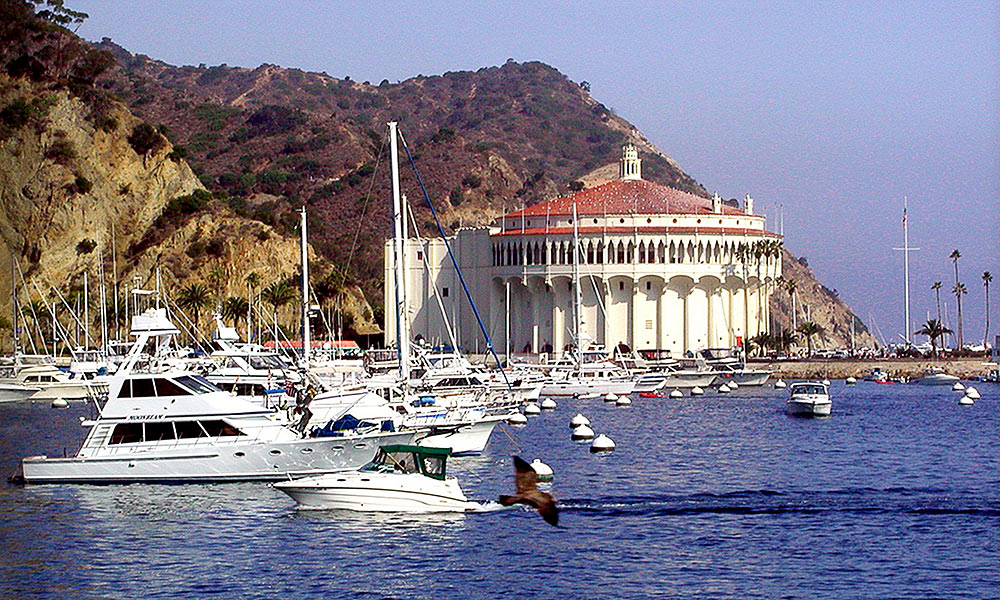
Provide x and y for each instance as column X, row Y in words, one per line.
column 897, row 495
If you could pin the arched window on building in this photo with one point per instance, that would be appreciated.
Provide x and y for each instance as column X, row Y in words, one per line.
column 621, row 253
column 642, row 252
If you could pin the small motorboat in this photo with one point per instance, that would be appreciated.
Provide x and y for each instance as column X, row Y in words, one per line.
column 936, row 376
column 401, row 478
column 808, row 399
column 653, row 395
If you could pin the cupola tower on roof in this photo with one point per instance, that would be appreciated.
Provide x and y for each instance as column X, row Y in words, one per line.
column 630, row 166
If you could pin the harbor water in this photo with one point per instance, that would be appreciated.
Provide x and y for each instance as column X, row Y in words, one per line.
column 897, row 495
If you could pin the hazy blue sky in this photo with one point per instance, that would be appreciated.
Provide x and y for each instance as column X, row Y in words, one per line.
column 833, row 110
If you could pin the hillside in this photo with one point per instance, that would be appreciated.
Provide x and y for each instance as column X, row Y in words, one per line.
column 264, row 141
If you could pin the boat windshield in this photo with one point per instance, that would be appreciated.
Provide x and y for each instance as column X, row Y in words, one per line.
column 198, row 384
column 809, row 389
column 267, row 362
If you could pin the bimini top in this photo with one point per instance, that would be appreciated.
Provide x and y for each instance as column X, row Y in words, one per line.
column 626, row 197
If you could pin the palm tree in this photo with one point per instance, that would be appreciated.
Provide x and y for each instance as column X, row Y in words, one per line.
column 234, row 308
column 253, row 280
column 809, row 329
column 195, row 297
column 933, row 329
column 278, row 294
column 987, row 279
column 936, row 286
column 217, row 277
column 954, row 256
column 791, row 285
column 743, row 254
column 786, row 338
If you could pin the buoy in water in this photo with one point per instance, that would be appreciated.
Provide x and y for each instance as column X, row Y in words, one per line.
column 733, row 385
column 826, row 382
column 60, row 403
column 583, row 432
column 542, row 470
column 958, row 387
column 610, row 397
column 531, row 409
column 780, row 385
column 966, row 401
column 697, row 391
column 623, row 401
column 676, row 394
column 602, row 443
column 548, row 403
column 517, row 419
column 724, row 389
column 850, row 381
column 972, row 392
column 578, row 420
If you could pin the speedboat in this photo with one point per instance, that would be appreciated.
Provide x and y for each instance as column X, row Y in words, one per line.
column 808, row 399
column 175, row 426
column 401, row 478
column 936, row 376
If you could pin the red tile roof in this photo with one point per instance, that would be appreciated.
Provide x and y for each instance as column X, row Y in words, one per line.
column 707, row 229
column 626, row 196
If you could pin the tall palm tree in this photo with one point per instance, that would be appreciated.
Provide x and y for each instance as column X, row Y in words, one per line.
column 987, row 279
column 217, row 277
column 278, row 294
column 936, row 286
column 234, row 308
column 743, row 254
column 809, row 329
column 253, row 280
column 195, row 298
column 791, row 286
column 933, row 329
column 954, row 256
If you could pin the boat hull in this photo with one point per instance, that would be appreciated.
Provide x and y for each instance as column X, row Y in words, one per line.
column 808, row 408
column 231, row 461
column 468, row 438
column 583, row 387
column 744, row 378
column 378, row 493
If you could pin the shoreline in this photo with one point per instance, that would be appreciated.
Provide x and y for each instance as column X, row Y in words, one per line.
column 964, row 368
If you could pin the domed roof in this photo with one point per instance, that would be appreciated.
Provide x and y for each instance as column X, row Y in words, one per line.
column 626, row 197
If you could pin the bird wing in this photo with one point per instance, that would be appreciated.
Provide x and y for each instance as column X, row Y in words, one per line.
column 546, row 507
column 525, row 477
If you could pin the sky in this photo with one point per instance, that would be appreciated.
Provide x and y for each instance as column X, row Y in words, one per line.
column 828, row 113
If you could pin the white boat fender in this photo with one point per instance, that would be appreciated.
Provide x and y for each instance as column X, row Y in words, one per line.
column 676, row 394
column 602, row 443
column 517, row 419
column 966, row 401
column 780, row 385
column 623, row 401
column 697, row 391
column 542, row 470
column 582, row 432
column 578, row 420
column 724, row 389
column 60, row 403
column 610, row 397
column 850, row 381
column 958, row 387
column 972, row 392
column 548, row 403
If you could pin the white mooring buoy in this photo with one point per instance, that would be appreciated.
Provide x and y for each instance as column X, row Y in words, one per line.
column 548, row 404
column 610, row 397
column 724, row 389
column 542, row 470
column 623, row 401
column 676, row 394
column 826, row 382
column 697, row 391
column 517, row 419
column 583, row 432
column 531, row 409
column 60, row 403
column 972, row 392
column 602, row 443
column 850, row 381
column 733, row 385
column 958, row 387
column 966, row 401
column 780, row 385
column 578, row 420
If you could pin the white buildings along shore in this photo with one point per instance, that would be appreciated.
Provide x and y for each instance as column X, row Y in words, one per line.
column 658, row 268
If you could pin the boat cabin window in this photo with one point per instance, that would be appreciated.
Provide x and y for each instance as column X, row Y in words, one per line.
column 267, row 362
column 220, row 428
column 159, row 431
column 434, row 466
column 188, row 430
column 133, row 433
column 198, row 384
column 398, row 461
column 126, row 433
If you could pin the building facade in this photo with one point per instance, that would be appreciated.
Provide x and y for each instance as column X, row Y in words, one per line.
column 657, row 268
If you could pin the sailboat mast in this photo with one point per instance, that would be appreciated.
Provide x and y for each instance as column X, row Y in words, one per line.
column 399, row 248
column 13, row 305
column 305, row 292
column 577, row 299
column 906, row 274
column 86, row 311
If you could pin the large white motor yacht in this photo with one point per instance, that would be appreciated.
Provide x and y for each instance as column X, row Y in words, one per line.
column 32, row 377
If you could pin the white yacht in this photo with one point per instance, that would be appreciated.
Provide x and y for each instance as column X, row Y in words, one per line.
column 250, row 371
column 590, row 373
column 729, row 367
column 175, row 426
column 808, row 399
column 936, row 376
column 400, row 479
column 36, row 377
column 664, row 372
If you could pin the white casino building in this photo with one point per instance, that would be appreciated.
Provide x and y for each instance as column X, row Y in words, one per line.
column 658, row 268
